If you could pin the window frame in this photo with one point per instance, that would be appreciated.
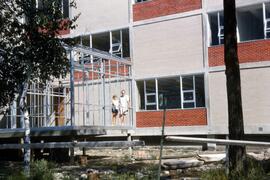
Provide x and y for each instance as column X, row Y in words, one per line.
column 181, row 93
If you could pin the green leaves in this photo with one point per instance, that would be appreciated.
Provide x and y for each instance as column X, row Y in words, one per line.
column 29, row 36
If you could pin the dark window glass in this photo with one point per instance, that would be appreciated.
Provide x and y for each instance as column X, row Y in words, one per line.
column 66, row 8
column 150, row 86
column 170, row 89
column 188, row 105
column 188, row 96
column 151, row 107
column 125, row 43
column 187, row 83
column 151, row 99
column 200, row 94
column 86, row 40
column 101, row 41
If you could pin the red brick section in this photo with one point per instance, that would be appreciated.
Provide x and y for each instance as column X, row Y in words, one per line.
column 156, row 8
column 254, row 51
column 183, row 117
column 110, row 69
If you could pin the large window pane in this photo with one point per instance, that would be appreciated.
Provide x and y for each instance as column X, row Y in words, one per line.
column 86, row 40
column 101, row 41
column 169, row 88
column 66, row 8
column 187, row 83
column 150, row 86
column 200, row 94
column 141, row 101
column 126, row 51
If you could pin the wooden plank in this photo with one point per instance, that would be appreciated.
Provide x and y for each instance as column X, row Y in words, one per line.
column 95, row 144
column 62, row 131
column 217, row 141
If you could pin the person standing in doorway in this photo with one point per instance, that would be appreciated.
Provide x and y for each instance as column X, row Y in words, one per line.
column 124, row 104
column 115, row 108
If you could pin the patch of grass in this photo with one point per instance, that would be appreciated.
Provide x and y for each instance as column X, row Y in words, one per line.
column 42, row 170
column 253, row 171
column 214, row 174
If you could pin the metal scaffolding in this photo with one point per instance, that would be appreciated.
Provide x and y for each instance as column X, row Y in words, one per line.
column 84, row 98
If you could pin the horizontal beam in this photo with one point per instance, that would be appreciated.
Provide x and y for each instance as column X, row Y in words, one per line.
column 97, row 53
column 96, row 144
column 216, row 141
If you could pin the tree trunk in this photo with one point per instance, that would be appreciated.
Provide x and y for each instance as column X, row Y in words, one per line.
column 236, row 126
column 25, row 123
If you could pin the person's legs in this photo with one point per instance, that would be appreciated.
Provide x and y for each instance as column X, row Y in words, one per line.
column 113, row 118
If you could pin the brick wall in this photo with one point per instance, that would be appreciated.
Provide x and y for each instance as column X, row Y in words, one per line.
column 182, row 117
column 254, row 51
column 64, row 31
column 157, row 8
column 112, row 69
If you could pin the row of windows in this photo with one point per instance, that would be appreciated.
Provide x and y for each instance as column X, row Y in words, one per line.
column 179, row 92
column 41, row 4
column 253, row 22
column 116, row 42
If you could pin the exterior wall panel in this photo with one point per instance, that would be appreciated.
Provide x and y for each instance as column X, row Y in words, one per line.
column 168, row 48
column 99, row 15
column 256, row 102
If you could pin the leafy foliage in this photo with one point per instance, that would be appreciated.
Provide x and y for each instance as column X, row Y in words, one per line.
column 30, row 47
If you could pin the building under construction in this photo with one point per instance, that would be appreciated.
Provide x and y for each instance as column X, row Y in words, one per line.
column 153, row 49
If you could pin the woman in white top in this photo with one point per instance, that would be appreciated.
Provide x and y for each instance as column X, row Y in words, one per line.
column 115, row 109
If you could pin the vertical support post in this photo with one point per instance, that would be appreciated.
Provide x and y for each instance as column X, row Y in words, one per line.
column 156, row 85
column 162, row 135
column 72, row 109
column 181, row 92
column 103, row 90
column 72, row 154
column 13, row 115
column 130, row 148
column 111, row 49
column 227, row 157
column 194, row 91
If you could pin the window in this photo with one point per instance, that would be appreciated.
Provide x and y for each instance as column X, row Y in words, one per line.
column 139, row 1
column 250, row 23
column 253, row 22
column 266, row 14
column 65, row 8
column 169, row 88
column 188, row 91
column 101, row 41
column 116, row 42
column 150, row 95
column 41, row 4
column 217, row 28
column 180, row 92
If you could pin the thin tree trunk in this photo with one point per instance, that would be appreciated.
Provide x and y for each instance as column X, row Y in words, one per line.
column 236, row 126
column 25, row 123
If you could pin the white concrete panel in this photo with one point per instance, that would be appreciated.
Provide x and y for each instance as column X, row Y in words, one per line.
column 255, row 100
column 218, row 103
column 101, row 15
column 168, row 48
